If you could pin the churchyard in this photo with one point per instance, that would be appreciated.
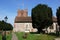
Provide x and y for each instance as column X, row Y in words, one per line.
column 30, row 36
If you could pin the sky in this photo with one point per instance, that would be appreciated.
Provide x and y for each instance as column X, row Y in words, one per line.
column 9, row 8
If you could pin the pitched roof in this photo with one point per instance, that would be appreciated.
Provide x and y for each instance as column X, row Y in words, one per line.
column 29, row 20
column 23, row 19
column 54, row 19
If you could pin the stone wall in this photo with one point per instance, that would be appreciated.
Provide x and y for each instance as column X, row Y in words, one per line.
column 52, row 30
column 22, row 27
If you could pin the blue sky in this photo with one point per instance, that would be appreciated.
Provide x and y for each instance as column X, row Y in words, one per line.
column 9, row 7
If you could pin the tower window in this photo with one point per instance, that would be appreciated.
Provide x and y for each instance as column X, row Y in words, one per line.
column 21, row 14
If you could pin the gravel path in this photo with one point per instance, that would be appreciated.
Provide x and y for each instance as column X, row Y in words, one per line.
column 14, row 37
column 57, row 38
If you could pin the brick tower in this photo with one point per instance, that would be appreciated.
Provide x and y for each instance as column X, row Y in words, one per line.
column 22, row 13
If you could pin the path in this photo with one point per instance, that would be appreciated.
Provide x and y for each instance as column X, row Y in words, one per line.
column 57, row 38
column 14, row 37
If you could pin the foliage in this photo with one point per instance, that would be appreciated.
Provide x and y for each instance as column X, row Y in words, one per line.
column 58, row 21
column 58, row 16
column 41, row 17
column 5, row 26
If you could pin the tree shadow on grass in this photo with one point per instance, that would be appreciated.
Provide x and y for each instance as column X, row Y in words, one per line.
column 43, row 32
column 34, row 32
column 37, row 32
column 54, row 34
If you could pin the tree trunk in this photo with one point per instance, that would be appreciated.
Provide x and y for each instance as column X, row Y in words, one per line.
column 57, row 30
column 3, row 35
column 39, row 30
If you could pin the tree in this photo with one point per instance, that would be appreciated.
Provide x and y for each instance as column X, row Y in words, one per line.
column 41, row 17
column 9, row 27
column 58, row 20
column 0, row 25
column 5, row 26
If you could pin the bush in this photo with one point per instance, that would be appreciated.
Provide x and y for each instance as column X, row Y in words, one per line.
column 25, row 35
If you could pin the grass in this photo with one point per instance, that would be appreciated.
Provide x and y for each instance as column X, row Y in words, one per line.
column 8, row 37
column 0, row 37
column 35, row 36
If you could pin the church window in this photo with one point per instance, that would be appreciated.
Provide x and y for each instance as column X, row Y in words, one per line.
column 26, row 27
column 51, row 27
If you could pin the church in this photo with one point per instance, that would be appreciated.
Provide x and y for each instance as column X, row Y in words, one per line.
column 23, row 23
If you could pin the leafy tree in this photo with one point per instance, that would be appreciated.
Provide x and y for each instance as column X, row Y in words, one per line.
column 58, row 16
column 58, row 19
column 5, row 26
column 9, row 27
column 0, row 25
column 41, row 17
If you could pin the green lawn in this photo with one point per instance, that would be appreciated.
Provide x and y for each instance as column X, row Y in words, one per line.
column 35, row 36
column 0, row 37
column 8, row 37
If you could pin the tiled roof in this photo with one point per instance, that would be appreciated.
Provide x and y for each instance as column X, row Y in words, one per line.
column 28, row 19
column 54, row 19
column 23, row 19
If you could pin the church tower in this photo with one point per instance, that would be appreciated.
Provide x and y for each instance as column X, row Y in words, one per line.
column 22, row 13
column 22, row 22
